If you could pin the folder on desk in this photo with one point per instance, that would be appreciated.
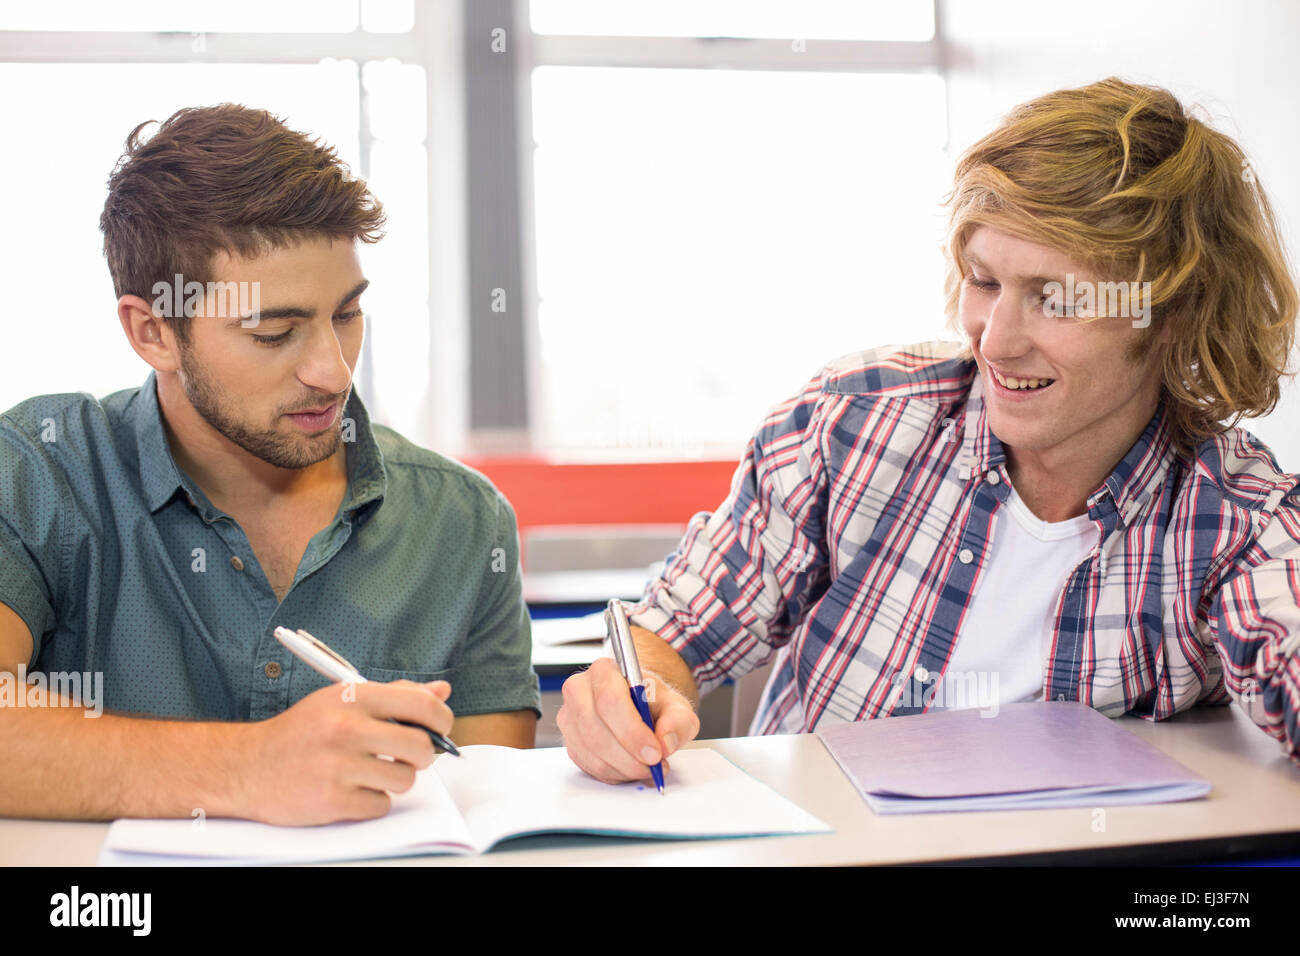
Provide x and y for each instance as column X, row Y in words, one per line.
column 1027, row 756
column 490, row 794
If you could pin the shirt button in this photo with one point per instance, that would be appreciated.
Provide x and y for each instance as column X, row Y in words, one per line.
column 272, row 669
column 921, row 674
column 236, row 563
column 965, row 555
column 994, row 478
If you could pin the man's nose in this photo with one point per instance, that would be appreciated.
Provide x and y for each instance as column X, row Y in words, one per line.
column 1006, row 327
column 324, row 367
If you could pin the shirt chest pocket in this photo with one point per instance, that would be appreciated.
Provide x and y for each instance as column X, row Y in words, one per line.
column 385, row 675
column 305, row 680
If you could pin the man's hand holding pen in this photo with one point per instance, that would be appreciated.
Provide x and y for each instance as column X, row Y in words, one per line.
column 605, row 734
column 323, row 759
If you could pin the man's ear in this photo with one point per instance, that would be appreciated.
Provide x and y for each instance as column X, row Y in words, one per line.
column 1166, row 329
column 1165, row 332
column 149, row 335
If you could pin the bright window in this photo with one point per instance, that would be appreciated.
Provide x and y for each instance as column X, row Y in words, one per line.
column 707, row 239
column 66, row 332
column 821, row 19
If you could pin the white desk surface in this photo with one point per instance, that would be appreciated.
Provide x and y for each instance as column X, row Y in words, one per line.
column 566, row 657
column 584, row 587
column 1255, row 790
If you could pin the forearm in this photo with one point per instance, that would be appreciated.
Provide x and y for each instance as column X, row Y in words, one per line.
column 659, row 660
column 56, row 763
column 513, row 728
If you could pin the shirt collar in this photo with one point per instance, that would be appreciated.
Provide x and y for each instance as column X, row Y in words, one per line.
column 367, row 474
column 981, row 450
column 161, row 478
column 1132, row 486
column 1129, row 489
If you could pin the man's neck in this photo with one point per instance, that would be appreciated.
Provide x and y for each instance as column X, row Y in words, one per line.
column 237, row 482
column 1055, row 484
column 1055, row 494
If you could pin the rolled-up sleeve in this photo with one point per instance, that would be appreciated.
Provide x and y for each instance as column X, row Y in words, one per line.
column 494, row 669
column 31, row 550
column 1255, row 625
column 744, row 575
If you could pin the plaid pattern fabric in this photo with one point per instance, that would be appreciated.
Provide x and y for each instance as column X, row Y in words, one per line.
column 855, row 535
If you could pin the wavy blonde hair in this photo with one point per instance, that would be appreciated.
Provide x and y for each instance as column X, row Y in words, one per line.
column 1124, row 180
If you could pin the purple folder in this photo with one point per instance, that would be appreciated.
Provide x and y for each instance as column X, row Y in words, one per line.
column 1030, row 755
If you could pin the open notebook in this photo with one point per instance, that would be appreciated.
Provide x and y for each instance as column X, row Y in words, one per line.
column 489, row 794
column 1027, row 756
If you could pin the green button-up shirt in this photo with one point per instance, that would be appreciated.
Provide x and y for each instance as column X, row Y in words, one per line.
column 119, row 564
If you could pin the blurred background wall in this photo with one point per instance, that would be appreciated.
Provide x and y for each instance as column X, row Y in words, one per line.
column 620, row 231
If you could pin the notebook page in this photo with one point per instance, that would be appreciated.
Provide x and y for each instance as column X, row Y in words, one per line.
column 424, row 817
column 503, row 793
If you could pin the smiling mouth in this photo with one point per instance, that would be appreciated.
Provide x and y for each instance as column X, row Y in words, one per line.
column 1025, row 384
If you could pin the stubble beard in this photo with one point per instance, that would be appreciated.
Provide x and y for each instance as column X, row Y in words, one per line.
column 271, row 447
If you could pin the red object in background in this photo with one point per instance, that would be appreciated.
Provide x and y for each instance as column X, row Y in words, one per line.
column 667, row 492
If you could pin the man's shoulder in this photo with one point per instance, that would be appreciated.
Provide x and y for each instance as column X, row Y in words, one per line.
column 404, row 458
column 921, row 382
column 67, row 422
column 1240, row 468
column 60, row 406
column 938, row 372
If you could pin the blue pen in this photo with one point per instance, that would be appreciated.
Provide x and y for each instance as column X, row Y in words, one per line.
column 620, row 637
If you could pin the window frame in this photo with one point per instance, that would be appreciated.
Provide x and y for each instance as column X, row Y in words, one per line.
column 483, row 366
column 435, row 42
column 732, row 53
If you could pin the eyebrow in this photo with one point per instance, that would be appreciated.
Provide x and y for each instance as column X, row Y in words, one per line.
column 297, row 311
column 1028, row 280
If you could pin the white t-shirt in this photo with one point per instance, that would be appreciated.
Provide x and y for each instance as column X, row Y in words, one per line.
column 1004, row 641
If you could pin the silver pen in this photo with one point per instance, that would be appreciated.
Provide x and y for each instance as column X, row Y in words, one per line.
column 620, row 638
column 323, row 658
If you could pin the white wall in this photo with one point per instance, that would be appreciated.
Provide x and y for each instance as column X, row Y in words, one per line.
column 1236, row 59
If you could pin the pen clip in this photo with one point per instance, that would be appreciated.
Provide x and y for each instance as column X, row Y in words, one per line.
column 620, row 639
column 327, row 651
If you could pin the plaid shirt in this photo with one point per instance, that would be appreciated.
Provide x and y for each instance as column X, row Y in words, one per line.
column 855, row 536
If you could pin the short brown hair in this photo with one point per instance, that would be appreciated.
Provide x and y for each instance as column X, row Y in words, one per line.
column 227, row 179
column 1125, row 180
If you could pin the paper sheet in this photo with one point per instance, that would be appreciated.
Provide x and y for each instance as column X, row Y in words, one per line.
column 487, row 795
column 506, row 793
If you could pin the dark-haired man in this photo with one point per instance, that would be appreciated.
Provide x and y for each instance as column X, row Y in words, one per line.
column 157, row 537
